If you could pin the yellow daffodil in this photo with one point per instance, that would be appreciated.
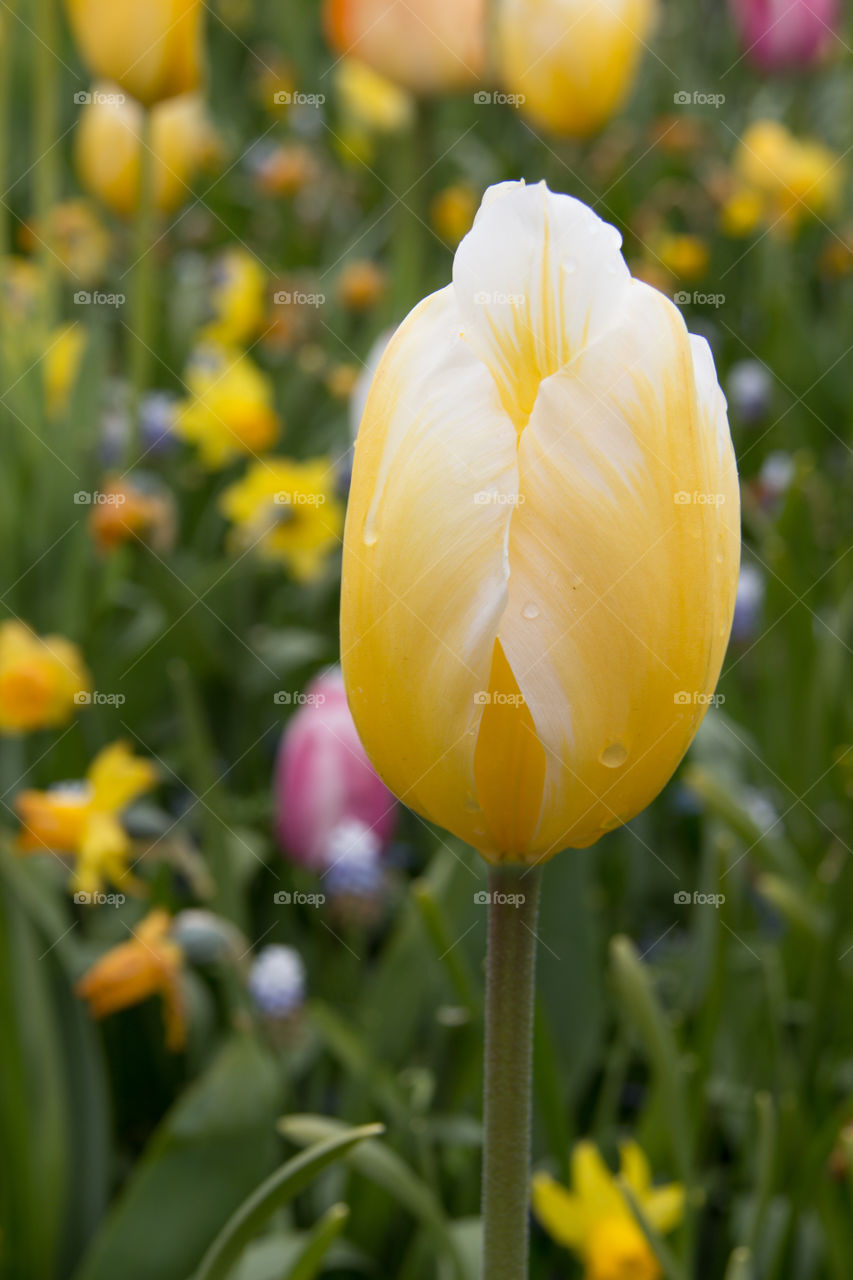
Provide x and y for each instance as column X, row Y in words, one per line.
column 452, row 212
column 131, row 511
column 289, row 511
column 152, row 48
column 230, row 409
column 108, row 141
column 238, row 299
column 83, row 819
column 369, row 100
column 789, row 178
column 77, row 239
column 41, row 679
column 686, row 256
column 429, row 46
column 149, row 963
column 572, row 63
column 595, row 1220
column 542, row 538
column 61, row 365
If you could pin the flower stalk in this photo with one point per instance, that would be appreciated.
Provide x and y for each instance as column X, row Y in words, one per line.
column 510, row 972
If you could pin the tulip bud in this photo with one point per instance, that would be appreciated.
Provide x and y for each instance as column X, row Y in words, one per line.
column 782, row 35
column 323, row 776
column 571, row 63
column 428, row 46
column 149, row 47
column 542, row 540
column 107, row 147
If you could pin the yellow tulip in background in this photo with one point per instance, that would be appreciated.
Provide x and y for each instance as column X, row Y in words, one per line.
column 540, row 562
column 542, row 540
column 428, row 46
column 574, row 62
column 108, row 144
column 151, row 48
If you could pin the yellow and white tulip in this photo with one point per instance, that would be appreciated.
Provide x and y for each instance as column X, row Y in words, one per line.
column 542, row 542
column 152, row 48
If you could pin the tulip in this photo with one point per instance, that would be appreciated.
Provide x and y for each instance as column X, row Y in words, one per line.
column 541, row 546
column 151, row 48
column 108, row 144
column 323, row 777
column 573, row 63
column 428, row 46
column 781, row 35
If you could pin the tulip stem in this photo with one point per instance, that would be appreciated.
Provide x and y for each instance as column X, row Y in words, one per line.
column 143, row 285
column 510, row 970
column 45, row 81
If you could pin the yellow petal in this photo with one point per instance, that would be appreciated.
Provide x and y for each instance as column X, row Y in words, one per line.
column 149, row 47
column 634, row 1167
column 621, row 593
column 117, row 777
column 664, row 1206
column 573, row 62
column 561, row 1212
column 425, row 570
column 595, row 1185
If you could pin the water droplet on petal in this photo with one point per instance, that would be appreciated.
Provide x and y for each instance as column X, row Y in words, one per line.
column 613, row 755
column 530, row 610
column 370, row 536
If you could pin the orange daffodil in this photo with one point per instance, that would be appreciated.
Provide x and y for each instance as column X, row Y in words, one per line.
column 595, row 1219
column 83, row 819
column 542, row 541
column 149, row 963
column 42, row 678
column 152, row 48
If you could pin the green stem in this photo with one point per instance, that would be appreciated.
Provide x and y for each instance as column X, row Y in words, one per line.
column 142, row 291
column 6, row 64
column 510, row 968
column 46, row 170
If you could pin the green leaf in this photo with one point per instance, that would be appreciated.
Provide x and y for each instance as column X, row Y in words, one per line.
column 319, row 1241
column 275, row 1191
column 215, row 1144
column 382, row 1166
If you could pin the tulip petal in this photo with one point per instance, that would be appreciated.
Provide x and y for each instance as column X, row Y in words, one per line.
column 623, row 559
column 538, row 277
column 436, row 465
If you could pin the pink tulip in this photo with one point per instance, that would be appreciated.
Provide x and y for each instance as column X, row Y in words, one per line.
column 323, row 777
column 780, row 35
